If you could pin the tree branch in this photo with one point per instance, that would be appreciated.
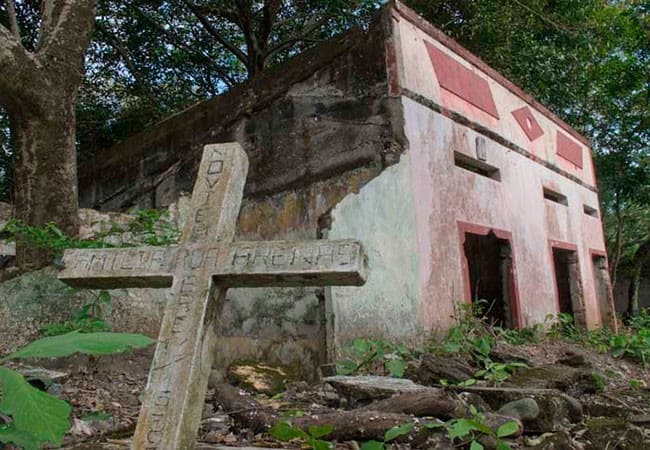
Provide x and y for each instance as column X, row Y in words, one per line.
column 66, row 43
column 13, row 20
column 304, row 35
column 128, row 62
column 17, row 70
column 212, row 31
column 222, row 73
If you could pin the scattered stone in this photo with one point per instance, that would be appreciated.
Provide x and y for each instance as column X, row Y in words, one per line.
column 216, row 377
column 504, row 352
column 523, row 409
column 44, row 376
column 258, row 377
column 575, row 358
column 640, row 419
column 614, row 432
column 363, row 388
column 430, row 369
column 555, row 408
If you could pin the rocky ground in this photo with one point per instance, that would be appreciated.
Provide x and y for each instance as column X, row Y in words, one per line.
column 567, row 398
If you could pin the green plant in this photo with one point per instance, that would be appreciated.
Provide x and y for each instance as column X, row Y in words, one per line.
column 88, row 320
column 523, row 336
column 390, row 435
column 636, row 384
column 153, row 227
column 150, row 226
column 496, row 372
column 38, row 417
column 375, row 355
column 469, row 431
column 285, row 431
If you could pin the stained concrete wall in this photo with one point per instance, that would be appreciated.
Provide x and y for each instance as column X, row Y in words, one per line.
column 382, row 216
column 411, row 216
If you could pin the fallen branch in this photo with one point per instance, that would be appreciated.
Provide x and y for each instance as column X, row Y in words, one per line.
column 347, row 425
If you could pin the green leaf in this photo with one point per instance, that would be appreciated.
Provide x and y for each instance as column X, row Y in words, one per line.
column 396, row 367
column 10, row 435
column 40, row 414
column 373, row 445
column 397, row 431
column 320, row 431
column 503, row 446
column 284, row 431
column 88, row 343
column 318, row 444
column 476, row 446
column 346, row 367
column 461, row 428
column 507, row 429
column 433, row 425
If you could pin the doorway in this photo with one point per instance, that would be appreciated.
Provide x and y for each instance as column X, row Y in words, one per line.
column 490, row 276
column 568, row 284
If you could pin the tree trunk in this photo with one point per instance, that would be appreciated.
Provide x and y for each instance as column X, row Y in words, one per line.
column 45, row 173
column 38, row 90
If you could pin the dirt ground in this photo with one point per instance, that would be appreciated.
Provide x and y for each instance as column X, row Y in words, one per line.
column 106, row 393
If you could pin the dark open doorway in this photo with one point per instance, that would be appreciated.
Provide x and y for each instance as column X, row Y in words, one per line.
column 568, row 284
column 491, row 277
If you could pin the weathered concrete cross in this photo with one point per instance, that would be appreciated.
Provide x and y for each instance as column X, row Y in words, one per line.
column 199, row 272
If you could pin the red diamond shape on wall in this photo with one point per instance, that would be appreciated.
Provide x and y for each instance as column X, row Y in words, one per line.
column 528, row 123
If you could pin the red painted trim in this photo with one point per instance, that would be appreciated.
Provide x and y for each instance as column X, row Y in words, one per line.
column 594, row 252
column 563, row 245
column 568, row 149
column 461, row 81
column 483, row 230
column 523, row 116
column 448, row 42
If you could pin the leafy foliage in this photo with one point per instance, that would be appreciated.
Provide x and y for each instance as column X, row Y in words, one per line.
column 149, row 227
column 632, row 341
column 390, row 435
column 375, row 355
column 38, row 417
column 95, row 344
column 88, row 320
column 469, row 431
column 285, row 431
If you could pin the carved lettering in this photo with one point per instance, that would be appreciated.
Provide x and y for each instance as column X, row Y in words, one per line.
column 241, row 256
column 201, row 224
column 298, row 257
column 325, row 254
column 279, row 257
column 345, row 254
column 262, row 254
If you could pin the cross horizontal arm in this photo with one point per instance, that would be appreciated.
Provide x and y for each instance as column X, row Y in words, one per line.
column 240, row 264
column 292, row 263
column 113, row 268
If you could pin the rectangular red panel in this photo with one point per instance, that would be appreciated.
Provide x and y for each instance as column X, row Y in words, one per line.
column 461, row 81
column 568, row 149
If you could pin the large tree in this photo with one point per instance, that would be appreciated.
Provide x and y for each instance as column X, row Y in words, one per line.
column 39, row 77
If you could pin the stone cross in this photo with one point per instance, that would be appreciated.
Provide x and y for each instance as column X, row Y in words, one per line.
column 199, row 271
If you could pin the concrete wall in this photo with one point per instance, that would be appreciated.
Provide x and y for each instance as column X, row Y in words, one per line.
column 412, row 217
column 441, row 119
column 446, row 195
column 389, row 305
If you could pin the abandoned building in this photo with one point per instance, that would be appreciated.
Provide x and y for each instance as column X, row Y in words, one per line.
column 461, row 187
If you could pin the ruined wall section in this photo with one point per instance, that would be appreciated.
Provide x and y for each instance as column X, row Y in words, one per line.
column 315, row 130
column 319, row 115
